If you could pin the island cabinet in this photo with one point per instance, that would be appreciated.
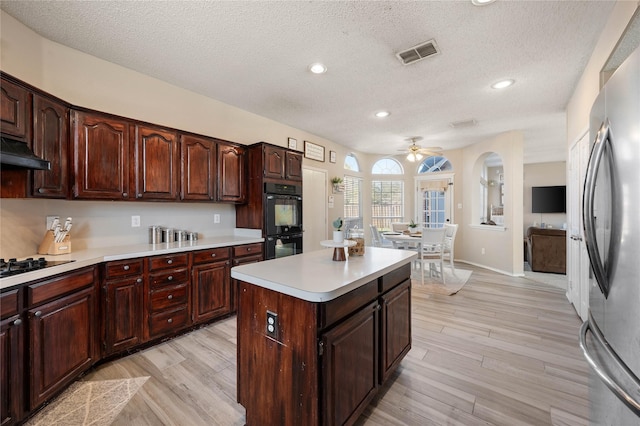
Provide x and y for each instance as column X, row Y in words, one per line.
column 12, row 331
column 100, row 156
column 62, row 315
column 211, row 284
column 168, row 301
column 320, row 363
column 156, row 163
column 123, row 305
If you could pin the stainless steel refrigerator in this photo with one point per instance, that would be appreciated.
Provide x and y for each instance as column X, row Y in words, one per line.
column 610, row 338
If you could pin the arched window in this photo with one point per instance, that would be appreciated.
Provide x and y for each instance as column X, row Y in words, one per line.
column 435, row 163
column 387, row 196
column 387, row 166
column 351, row 163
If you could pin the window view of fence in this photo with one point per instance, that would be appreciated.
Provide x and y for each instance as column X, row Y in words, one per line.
column 387, row 203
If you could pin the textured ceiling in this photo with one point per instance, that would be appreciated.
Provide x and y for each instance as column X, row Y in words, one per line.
column 255, row 54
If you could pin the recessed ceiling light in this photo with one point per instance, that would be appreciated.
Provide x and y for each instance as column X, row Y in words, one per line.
column 317, row 68
column 382, row 114
column 502, row 84
column 481, row 2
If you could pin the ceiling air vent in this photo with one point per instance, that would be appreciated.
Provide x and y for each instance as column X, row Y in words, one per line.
column 462, row 124
column 419, row 52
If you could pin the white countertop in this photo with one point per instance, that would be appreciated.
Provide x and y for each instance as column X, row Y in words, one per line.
column 94, row 256
column 314, row 277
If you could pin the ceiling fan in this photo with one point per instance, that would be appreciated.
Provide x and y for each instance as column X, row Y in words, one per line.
column 416, row 152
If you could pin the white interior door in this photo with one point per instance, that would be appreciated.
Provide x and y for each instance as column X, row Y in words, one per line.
column 314, row 208
column 578, row 262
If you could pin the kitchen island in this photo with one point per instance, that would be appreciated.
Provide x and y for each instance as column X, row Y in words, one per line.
column 317, row 338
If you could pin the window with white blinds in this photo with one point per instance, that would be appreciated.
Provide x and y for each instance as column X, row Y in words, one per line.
column 352, row 202
column 387, row 203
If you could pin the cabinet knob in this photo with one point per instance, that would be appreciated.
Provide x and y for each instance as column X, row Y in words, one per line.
column 170, row 278
column 125, row 195
column 126, row 267
column 170, row 296
column 139, row 280
column 17, row 322
column 213, row 255
column 139, row 195
column 38, row 314
column 248, row 248
column 170, row 261
column 170, row 320
column 41, row 190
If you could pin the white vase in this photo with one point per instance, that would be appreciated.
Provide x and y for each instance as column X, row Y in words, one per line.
column 413, row 230
column 338, row 236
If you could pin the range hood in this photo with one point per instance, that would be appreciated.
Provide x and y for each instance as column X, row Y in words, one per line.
column 17, row 154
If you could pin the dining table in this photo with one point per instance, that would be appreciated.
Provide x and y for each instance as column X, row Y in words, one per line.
column 403, row 240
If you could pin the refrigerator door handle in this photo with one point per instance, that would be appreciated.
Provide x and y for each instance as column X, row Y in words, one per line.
column 597, row 152
column 615, row 387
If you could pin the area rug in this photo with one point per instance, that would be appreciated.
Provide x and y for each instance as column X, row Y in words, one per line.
column 95, row 403
column 453, row 283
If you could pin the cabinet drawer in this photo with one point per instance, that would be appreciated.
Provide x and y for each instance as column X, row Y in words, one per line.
column 247, row 250
column 123, row 268
column 166, row 322
column 52, row 288
column 394, row 278
column 168, row 261
column 9, row 304
column 247, row 259
column 169, row 296
column 174, row 276
column 212, row 255
column 336, row 309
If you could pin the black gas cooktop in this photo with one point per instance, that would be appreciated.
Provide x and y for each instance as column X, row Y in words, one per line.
column 13, row 266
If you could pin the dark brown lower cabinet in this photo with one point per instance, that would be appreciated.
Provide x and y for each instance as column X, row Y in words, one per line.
column 11, row 355
column 122, row 314
column 350, row 366
column 62, row 316
column 330, row 358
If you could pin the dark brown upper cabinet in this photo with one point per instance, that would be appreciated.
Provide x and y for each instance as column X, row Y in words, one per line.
column 274, row 162
column 293, row 169
column 101, row 156
column 156, row 163
column 51, row 142
column 15, row 112
column 198, row 164
column 231, row 173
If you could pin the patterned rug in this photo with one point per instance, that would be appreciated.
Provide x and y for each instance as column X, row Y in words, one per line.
column 433, row 284
column 95, row 403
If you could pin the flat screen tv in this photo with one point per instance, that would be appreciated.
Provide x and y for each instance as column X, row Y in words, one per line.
column 549, row 199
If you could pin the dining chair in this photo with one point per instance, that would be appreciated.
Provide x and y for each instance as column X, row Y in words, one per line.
column 449, row 241
column 377, row 240
column 399, row 226
column 431, row 250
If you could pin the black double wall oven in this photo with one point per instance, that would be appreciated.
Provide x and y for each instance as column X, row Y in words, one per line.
column 283, row 220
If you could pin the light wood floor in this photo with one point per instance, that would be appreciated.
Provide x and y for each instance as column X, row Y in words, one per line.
column 503, row 351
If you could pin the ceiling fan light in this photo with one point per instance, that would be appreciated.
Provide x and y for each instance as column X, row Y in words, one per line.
column 418, row 156
column 411, row 157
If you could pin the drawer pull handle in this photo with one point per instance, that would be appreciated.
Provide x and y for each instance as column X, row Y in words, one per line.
column 170, row 261
column 17, row 322
column 170, row 278
column 170, row 320
column 170, row 296
column 38, row 314
column 127, row 267
column 139, row 280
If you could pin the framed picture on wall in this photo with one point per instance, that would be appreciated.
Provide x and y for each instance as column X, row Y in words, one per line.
column 313, row 151
column 332, row 156
column 293, row 143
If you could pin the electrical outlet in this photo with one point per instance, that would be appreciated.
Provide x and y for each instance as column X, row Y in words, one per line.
column 482, row 251
column 272, row 325
column 216, row 218
column 135, row 221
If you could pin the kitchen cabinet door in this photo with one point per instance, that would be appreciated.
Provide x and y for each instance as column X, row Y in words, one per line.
column 294, row 165
column 50, row 142
column 156, row 164
column 15, row 111
column 198, row 168
column 62, row 337
column 274, row 162
column 100, row 156
column 350, row 366
column 231, row 173
column 211, row 290
column 396, row 328
column 11, row 354
column 123, row 314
